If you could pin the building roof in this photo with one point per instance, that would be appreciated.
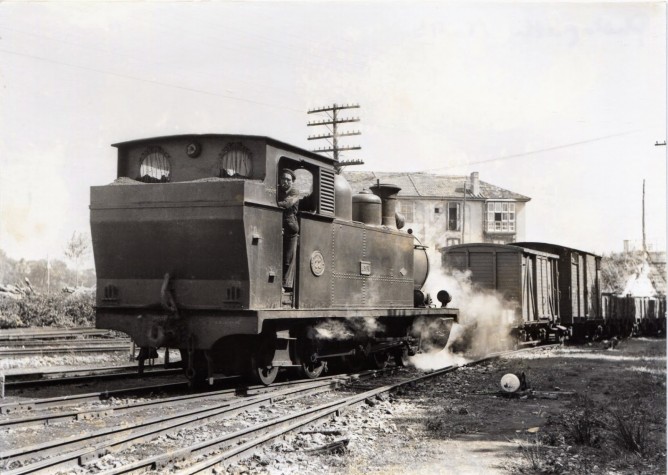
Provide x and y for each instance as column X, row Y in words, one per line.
column 427, row 185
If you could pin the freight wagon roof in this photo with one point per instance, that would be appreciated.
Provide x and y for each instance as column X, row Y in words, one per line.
column 427, row 185
column 552, row 247
column 507, row 247
column 269, row 140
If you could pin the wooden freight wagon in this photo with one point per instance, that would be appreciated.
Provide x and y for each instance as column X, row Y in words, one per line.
column 526, row 279
column 579, row 289
column 627, row 315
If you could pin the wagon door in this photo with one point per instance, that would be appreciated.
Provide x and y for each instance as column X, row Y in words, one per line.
column 575, row 287
column 545, row 287
column 528, row 289
column 593, row 297
column 482, row 266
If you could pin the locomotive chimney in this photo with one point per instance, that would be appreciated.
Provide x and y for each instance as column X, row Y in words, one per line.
column 475, row 183
column 388, row 196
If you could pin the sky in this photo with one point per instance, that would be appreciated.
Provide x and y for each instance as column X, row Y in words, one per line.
column 561, row 102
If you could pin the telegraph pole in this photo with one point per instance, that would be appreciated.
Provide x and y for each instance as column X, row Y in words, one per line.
column 644, row 241
column 334, row 120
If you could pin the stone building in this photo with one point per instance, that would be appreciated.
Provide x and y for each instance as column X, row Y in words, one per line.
column 441, row 213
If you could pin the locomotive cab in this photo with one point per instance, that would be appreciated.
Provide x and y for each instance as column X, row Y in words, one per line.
column 188, row 250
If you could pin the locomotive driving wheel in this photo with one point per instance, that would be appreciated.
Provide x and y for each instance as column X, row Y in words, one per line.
column 379, row 359
column 308, row 349
column 312, row 370
column 263, row 374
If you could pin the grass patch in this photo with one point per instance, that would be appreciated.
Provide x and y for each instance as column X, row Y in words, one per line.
column 582, row 426
column 630, row 432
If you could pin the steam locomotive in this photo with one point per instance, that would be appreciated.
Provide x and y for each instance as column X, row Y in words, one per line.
column 188, row 251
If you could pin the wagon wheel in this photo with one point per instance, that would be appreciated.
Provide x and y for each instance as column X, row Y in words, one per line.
column 312, row 370
column 262, row 374
column 562, row 339
column 379, row 359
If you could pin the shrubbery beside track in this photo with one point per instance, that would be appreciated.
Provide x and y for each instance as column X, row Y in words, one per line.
column 56, row 309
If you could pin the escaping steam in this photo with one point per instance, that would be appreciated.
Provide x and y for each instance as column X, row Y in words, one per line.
column 338, row 330
column 640, row 284
column 485, row 319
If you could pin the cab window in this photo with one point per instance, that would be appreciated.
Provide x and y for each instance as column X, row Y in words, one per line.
column 304, row 182
column 154, row 166
column 235, row 161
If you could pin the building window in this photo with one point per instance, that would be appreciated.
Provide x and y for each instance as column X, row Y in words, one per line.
column 499, row 240
column 454, row 217
column 500, row 217
column 407, row 208
column 452, row 241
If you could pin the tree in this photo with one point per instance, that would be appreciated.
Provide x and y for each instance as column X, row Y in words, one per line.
column 75, row 250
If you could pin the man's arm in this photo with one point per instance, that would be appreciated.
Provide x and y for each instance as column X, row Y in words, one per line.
column 290, row 199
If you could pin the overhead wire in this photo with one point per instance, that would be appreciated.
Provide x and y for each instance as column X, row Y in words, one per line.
column 152, row 81
column 534, row 152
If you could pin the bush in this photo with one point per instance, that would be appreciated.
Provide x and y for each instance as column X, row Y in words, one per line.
column 60, row 310
column 630, row 432
column 582, row 426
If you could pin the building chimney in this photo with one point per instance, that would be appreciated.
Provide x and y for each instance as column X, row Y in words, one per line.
column 475, row 183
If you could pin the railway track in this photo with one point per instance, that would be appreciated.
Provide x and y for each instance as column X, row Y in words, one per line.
column 47, row 333
column 123, row 372
column 51, row 341
column 62, row 342
column 85, row 447
column 69, row 349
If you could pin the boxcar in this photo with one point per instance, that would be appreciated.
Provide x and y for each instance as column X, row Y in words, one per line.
column 525, row 278
column 627, row 315
column 579, row 289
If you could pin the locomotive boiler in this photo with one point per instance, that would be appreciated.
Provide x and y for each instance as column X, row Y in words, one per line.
column 188, row 247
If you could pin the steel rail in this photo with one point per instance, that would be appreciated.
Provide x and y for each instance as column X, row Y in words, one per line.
column 97, row 412
column 69, row 341
column 37, row 404
column 266, row 432
column 61, row 371
column 80, row 450
column 271, row 430
column 32, row 333
column 148, row 373
column 58, row 401
column 47, row 351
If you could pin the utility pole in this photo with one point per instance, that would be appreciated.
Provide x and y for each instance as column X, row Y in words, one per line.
column 48, row 274
column 644, row 242
column 334, row 120
column 464, row 212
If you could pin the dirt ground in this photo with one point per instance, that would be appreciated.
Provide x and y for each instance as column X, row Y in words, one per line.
column 591, row 409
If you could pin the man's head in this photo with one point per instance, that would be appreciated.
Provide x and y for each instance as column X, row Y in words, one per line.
column 287, row 179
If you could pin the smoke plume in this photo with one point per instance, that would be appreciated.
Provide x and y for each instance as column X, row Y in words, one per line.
column 485, row 318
